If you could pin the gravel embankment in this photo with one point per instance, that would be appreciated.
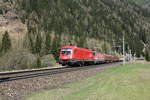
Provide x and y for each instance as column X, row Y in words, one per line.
column 17, row 90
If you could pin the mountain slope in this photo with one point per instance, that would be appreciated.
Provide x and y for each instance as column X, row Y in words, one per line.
column 35, row 25
column 99, row 19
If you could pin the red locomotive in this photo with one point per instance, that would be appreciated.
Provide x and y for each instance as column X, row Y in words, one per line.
column 73, row 55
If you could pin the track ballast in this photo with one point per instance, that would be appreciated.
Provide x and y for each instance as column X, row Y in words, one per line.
column 12, row 76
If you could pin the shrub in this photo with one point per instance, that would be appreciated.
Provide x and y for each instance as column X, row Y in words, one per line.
column 6, row 42
column 147, row 56
column 38, row 63
column 17, row 60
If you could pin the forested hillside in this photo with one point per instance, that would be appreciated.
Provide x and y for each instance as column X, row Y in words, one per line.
column 98, row 24
column 99, row 19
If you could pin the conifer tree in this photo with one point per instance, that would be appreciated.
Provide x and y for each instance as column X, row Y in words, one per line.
column 48, row 44
column 56, row 46
column 105, row 47
column 147, row 56
column 30, row 35
column 6, row 42
column 38, row 44
column 81, row 41
column 38, row 63
column 31, row 44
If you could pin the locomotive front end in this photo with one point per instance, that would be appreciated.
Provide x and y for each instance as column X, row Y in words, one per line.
column 66, row 55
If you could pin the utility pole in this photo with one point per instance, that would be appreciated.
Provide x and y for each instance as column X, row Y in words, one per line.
column 130, row 54
column 124, row 51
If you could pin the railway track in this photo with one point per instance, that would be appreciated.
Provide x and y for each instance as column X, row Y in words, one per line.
column 12, row 76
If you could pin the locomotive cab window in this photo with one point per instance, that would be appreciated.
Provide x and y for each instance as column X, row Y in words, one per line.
column 66, row 51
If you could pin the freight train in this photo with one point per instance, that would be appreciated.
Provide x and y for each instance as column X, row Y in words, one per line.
column 73, row 55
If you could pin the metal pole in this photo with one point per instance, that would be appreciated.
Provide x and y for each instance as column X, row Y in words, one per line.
column 130, row 55
column 123, row 50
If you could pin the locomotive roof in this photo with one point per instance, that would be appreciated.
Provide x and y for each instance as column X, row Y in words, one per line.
column 76, row 47
column 69, row 47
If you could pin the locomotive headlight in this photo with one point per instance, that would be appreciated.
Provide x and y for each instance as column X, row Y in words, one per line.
column 65, row 57
column 70, row 56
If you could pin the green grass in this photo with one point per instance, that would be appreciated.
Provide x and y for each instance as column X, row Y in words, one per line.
column 130, row 82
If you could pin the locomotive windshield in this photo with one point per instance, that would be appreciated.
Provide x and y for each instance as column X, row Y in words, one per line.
column 66, row 51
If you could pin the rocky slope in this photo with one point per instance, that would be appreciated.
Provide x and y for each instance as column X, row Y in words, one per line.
column 10, row 21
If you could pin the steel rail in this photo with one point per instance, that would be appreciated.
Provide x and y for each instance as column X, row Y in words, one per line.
column 45, row 72
column 28, row 71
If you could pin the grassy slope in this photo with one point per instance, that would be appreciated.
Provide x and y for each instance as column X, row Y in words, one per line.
column 131, row 82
